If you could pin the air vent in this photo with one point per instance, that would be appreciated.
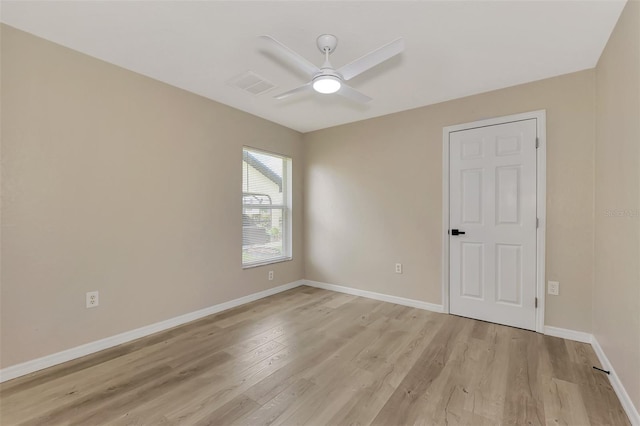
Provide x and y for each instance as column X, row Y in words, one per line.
column 252, row 83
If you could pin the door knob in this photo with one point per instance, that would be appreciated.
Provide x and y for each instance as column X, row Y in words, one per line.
column 457, row 232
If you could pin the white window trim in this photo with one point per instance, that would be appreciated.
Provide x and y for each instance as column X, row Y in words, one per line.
column 287, row 210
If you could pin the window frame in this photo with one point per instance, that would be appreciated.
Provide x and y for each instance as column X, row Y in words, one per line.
column 286, row 208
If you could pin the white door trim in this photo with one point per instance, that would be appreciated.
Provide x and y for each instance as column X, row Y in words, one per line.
column 541, row 202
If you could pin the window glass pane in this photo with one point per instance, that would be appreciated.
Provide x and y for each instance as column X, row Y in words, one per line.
column 263, row 176
column 262, row 234
column 264, row 211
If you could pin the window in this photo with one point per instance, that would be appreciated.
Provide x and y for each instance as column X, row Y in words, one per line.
column 266, row 208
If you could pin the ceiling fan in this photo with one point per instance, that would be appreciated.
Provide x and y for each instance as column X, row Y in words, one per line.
column 326, row 79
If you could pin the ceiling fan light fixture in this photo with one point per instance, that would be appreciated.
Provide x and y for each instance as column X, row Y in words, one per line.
column 327, row 84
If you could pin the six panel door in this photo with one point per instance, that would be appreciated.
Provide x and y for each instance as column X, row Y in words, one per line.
column 492, row 186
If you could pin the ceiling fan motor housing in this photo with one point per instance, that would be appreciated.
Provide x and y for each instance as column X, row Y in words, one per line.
column 327, row 72
column 327, row 43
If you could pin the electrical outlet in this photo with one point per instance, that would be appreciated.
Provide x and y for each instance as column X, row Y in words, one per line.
column 93, row 299
column 270, row 275
column 553, row 288
column 398, row 268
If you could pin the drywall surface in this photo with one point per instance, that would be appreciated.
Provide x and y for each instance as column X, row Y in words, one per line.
column 115, row 182
column 373, row 195
column 616, row 292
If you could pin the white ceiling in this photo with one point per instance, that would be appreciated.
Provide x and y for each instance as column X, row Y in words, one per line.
column 453, row 48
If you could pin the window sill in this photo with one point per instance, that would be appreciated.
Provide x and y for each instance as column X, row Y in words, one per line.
column 269, row 262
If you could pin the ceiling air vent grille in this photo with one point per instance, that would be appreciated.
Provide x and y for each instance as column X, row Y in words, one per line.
column 252, row 83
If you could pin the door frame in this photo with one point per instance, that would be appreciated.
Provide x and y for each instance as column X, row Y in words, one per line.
column 541, row 202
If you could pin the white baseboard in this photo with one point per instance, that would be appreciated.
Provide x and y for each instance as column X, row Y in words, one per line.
column 378, row 296
column 623, row 396
column 27, row 367
column 578, row 336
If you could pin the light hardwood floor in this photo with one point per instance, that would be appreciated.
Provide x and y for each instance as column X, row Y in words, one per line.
column 310, row 356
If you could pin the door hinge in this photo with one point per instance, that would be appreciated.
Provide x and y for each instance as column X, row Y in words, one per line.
column 537, row 142
column 537, row 223
column 536, row 302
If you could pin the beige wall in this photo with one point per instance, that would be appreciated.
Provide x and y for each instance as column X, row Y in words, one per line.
column 112, row 181
column 616, row 294
column 373, row 194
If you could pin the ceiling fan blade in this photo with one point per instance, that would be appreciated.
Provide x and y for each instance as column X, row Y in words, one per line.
column 293, row 57
column 372, row 59
column 301, row 89
column 351, row 93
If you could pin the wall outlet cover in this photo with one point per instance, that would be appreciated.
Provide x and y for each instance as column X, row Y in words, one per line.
column 93, row 299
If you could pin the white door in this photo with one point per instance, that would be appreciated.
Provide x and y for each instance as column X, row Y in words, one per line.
column 492, row 259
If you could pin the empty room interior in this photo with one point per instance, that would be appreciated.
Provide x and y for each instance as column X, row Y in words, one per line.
column 320, row 212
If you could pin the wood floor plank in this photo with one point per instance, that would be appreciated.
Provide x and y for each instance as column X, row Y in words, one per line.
column 567, row 407
column 489, row 399
column 325, row 399
column 338, row 371
column 321, row 346
column 368, row 401
column 340, row 300
column 404, row 404
column 448, row 399
column 523, row 403
column 186, row 401
column 272, row 409
column 229, row 412
column 559, row 357
column 311, row 356
column 203, row 398
column 58, row 414
column 147, row 391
